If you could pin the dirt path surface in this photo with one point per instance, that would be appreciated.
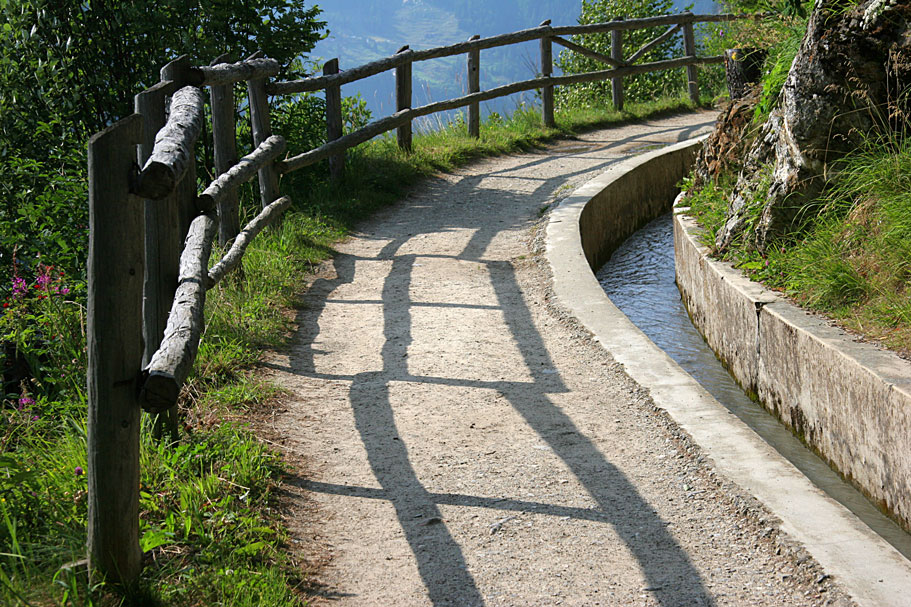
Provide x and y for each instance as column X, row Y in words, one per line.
column 466, row 444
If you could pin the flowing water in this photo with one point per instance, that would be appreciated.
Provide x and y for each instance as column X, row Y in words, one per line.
column 639, row 279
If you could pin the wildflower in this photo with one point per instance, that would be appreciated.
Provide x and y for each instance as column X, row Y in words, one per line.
column 79, row 471
column 42, row 281
column 19, row 286
column 34, row 418
column 25, row 401
column 64, row 290
column 5, row 304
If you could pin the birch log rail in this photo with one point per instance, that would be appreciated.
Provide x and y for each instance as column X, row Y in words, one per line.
column 243, row 171
column 236, row 252
column 174, row 359
column 173, row 149
column 229, row 73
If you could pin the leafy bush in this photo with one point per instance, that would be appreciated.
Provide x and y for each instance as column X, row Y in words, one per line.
column 642, row 87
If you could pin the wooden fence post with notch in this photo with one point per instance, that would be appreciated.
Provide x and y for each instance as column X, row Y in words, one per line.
column 224, row 140
column 262, row 130
column 403, row 98
column 689, row 49
column 474, row 86
column 334, row 120
column 616, row 53
column 115, row 281
column 547, row 69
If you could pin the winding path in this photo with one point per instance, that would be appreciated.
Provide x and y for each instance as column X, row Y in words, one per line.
column 465, row 443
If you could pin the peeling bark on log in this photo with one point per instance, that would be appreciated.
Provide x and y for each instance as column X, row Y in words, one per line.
column 173, row 145
column 229, row 73
column 243, row 171
column 837, row 93
column 234, row 256
column 172, row 362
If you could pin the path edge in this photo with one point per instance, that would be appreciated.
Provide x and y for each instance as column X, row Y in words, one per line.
column 580, row 235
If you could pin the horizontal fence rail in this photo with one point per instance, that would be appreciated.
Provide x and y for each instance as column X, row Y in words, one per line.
column 153, row 231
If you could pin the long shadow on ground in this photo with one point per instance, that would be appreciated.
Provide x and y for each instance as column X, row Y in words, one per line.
column 439, row 558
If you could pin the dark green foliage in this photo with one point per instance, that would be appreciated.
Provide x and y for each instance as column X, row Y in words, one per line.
column 636, row 88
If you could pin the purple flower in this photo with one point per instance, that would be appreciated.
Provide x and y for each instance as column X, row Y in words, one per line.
column 43, row 280
column 34, row 418
column 25, row 401
column 19, row 286
column 64, row 290
column 79, row 471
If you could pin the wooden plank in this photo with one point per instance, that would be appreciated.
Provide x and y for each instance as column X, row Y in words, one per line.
column 224, row 138
column 578, row 48
column 403, row 98
column 334, row 126
column 692, row 74
column 234, row 256
column 114, row 341
column 547, row 69
column 388, row 123
column 616, row 83
column 316, row 83
column 223, row 73
column 174, row 359
column 474, row 85
column 240, row 173
column 652, row 44
column 262, row 130
column 173, row 145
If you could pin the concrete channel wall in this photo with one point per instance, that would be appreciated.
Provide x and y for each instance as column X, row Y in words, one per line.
column 849, row 401
column 582, row 232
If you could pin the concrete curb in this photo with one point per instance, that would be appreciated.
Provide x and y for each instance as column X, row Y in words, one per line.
column 868, row 568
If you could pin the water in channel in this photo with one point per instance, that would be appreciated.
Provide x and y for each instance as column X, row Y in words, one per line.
column 639, row 279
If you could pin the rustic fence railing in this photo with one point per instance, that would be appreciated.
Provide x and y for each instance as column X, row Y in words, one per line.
column 152, row 231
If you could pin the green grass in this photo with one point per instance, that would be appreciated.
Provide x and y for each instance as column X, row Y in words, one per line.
column 850, row 257
column 207, row 501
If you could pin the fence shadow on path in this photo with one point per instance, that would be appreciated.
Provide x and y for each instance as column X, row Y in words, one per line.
column 671, row 576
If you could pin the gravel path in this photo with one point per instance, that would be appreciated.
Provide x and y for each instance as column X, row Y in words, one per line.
column 464, row 443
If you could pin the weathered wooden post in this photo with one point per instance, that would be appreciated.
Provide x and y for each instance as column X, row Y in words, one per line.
column 115, row 280
column 403, row 98
column 262, row 130
column 616, row 53
column 689, row 49
column 334, row 120
column 474, row 86
column 547, row 69
column 225, row 143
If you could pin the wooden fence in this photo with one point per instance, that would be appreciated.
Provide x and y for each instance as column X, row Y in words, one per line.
column 152, row 231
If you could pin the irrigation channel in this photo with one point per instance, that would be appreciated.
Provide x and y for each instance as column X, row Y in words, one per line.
column 639, row 279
